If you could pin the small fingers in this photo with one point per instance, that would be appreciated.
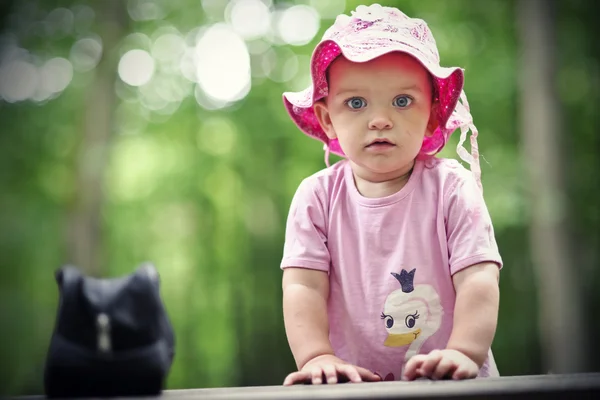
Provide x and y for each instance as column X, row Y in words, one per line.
column 464, row 372
column 430, row 363
column 460, row 373
column 330, row 373
column 413, row 365
column 297, row 377
column 316, row 375
column 350, row 372
column 367, row 375
column 444, row 368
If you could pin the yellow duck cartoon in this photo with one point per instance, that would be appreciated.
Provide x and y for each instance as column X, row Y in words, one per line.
column 411, row 314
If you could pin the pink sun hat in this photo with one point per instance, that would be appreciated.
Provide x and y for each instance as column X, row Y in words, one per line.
column 373, row 31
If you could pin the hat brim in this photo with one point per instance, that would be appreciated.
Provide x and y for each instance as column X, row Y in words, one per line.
column 448, row 84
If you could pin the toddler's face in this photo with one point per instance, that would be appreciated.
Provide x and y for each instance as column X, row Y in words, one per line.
column 379, row 111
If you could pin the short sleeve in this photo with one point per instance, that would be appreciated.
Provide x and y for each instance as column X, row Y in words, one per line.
column 469, row 227
column 306, row 229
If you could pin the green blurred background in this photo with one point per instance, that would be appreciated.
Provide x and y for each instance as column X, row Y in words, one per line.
column 154, row 130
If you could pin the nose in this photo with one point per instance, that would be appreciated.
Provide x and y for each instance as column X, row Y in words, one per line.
column 380, row 122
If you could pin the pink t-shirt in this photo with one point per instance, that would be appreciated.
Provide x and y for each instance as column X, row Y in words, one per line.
column 390, row 260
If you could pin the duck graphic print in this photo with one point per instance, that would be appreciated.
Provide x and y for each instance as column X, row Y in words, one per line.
column 411, row 315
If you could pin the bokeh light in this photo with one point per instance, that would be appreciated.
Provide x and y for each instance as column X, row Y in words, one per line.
column 298, row 25
column 187, row 64
column 136, row 67
column 27, row 76
column 280, row 64
column 59, row 22
column 258, row 46
column 18, row 80
column 168, row 47
column 86, row 53
column 249, row 18
column 54, row 77
column 164, row 66
column 214, row 9
column 151, row 98
column 84, row 16
column 145, row 10
column 223, row 64
column 136, row 40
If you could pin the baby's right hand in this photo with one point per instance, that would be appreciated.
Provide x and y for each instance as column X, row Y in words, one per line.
column 330, row 369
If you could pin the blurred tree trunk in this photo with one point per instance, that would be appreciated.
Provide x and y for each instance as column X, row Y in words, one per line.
column 84, row 241
column 562, row 332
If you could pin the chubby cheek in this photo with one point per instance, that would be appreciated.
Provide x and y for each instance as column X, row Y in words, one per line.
column 417, row 124
column 350, row 143
column 421, row 130
column 341, row 119
column 348, row 129
column 425, row 120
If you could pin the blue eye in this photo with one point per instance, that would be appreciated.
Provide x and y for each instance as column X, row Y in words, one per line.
column 356, row 103
column 402, row 101
column 411, row 319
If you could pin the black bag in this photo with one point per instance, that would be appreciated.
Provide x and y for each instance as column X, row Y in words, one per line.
column 112, row 336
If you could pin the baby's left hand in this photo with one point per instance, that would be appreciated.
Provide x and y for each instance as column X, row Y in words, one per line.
column 441, row 364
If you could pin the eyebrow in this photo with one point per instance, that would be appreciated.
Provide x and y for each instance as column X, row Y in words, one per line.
column 342, row 91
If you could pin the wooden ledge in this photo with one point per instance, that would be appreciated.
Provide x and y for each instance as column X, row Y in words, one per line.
column 578, row 386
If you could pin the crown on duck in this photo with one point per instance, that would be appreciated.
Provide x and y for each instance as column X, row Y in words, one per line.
column 406, row 280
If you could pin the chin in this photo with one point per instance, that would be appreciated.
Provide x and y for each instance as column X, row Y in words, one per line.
column 382, row 169
column 381, row 165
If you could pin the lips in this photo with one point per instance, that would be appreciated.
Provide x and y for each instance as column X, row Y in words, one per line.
column 380, row 143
